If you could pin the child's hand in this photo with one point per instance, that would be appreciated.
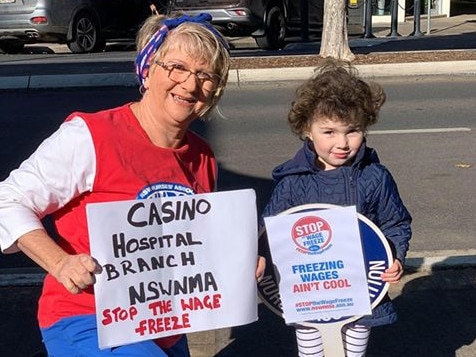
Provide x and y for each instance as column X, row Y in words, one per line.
column 393, row 274
column 260, row 268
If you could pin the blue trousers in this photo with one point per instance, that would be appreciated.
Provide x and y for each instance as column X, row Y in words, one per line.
column 77, row 337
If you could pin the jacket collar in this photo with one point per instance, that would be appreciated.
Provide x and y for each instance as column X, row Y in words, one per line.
column 304, row 160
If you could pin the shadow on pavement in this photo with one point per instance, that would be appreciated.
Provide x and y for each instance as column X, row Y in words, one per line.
column 460, row 7
column 268, row 337
column 228, row 180
column 423, row 43
column 20, row 333
column 437, row 318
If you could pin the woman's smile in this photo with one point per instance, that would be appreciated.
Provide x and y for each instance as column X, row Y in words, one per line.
column 182, row 99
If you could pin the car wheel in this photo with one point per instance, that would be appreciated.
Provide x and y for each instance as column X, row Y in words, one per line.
column 86, row 37
column 11, row 46
column 275, row 30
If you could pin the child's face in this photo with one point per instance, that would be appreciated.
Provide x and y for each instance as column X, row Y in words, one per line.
column 336, row 143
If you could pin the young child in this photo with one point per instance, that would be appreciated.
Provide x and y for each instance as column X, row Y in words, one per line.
column 331, row 114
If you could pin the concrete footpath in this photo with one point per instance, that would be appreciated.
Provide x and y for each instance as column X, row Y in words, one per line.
column 436, row 299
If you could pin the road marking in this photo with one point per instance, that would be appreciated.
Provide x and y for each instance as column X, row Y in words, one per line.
column 418, row 131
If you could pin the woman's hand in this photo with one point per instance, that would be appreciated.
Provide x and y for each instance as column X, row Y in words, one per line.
column 260, row 267
column 393, row 274
column 76, row 272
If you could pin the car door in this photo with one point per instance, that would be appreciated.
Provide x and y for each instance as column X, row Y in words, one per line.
column 119, row 17
column 314, row 13
column 293, row 13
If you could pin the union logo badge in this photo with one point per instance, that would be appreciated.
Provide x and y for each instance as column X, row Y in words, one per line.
column 312, row 235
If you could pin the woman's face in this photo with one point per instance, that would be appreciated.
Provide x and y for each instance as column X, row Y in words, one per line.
column 336, row 143
column 174, row 93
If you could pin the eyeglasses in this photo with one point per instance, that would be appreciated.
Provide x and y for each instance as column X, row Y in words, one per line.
column 179, row 74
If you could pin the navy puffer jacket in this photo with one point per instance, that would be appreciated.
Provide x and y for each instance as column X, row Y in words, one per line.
column 366, row 184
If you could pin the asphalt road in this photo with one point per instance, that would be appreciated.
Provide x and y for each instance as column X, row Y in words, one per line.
column 425, row 136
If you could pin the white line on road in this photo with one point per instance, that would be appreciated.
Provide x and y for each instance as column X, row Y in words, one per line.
column 418, row 131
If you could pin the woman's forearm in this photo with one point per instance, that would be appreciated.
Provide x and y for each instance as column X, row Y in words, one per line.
column 42, row 249
column 75, row 271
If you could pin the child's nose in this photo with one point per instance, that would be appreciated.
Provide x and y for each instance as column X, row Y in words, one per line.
column 342, row 141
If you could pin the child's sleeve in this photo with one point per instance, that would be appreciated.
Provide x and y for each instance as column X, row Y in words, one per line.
column 394, row 220
column 281, row 199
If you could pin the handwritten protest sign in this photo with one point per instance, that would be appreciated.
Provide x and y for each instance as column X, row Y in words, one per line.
column 320, row 263
column 174, row 265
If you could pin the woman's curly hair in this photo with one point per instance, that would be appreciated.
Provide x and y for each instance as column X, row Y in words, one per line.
column 335, row 92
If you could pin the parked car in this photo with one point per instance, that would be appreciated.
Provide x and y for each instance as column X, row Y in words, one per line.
column 267, row 21
column 84, row 25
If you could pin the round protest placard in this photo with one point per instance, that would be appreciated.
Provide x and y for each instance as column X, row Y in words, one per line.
column 377, row 254
column 311, row 234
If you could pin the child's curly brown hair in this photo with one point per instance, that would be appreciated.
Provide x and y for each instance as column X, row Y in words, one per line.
column 335, row 92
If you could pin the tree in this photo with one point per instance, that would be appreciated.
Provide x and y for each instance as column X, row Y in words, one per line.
column 334, row 41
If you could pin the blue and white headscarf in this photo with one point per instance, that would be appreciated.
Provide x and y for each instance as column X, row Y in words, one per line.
column 143, row 59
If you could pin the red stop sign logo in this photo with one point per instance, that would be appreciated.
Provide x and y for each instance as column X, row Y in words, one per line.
column 311, row 234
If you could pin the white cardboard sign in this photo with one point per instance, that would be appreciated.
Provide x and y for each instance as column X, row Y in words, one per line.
column 174, row 265
column 320, row 263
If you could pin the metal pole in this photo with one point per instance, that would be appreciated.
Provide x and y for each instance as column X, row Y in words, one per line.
column 394, row 19
column 416, row 18
column 428, row 18
column 368, row 19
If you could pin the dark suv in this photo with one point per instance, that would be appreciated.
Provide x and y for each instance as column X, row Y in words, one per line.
column 84, row 25
column 267, row 21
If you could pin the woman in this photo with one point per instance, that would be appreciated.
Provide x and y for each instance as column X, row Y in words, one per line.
column 118, row 154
